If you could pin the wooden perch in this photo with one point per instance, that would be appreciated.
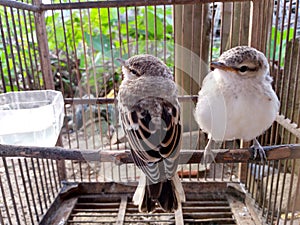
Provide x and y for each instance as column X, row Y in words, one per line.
column 104, row 100
column 123, row 156
column 19, row 5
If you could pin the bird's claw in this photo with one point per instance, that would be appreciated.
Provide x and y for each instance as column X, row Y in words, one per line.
column 208, row 157
column 258, row 149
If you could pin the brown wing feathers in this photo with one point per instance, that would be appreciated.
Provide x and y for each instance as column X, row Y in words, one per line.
column 150, row 142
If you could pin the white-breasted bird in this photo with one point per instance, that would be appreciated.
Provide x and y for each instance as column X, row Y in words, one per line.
column 150, row 115
column 236, row 100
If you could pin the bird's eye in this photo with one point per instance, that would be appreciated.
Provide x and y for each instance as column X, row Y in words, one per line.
column 134, row 72
column 243, row 69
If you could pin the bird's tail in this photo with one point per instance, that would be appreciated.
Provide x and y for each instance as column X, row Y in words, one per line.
column 167, row 194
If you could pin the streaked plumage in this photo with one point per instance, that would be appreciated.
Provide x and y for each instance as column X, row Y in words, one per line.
column 150, row 115
column 236, row 100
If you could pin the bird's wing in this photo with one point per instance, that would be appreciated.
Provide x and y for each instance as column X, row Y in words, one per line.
column 153, row 131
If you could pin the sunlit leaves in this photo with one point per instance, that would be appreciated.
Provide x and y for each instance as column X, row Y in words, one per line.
column 279, row 40
column 89, row 37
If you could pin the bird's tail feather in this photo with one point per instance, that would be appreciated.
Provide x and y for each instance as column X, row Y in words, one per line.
column 140, row 191
column 167, row 193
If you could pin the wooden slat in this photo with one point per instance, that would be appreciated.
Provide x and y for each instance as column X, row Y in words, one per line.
column 261, row 17
column 211, row 215
column 124, row 156
column 209, row 201
column 201, row 203
column 287, row 124
column 88, row 222
column 90, row 214
column 59, row 212
column 240, row 212
column 207, row 209
column 122, row 3
column 43, row 47
column 149, row 221
column 19, row 5
column 104, row 100
column 102, row 211
column 211, row 221
column 122, row 211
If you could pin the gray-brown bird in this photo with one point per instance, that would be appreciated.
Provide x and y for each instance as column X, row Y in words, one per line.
column 150, row 115
column 236, row 100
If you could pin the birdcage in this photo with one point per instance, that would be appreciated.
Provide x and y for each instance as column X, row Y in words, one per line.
column 89, row 177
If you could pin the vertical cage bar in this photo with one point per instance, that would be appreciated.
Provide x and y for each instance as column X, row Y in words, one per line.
column 26, row 66
column 18, row 58
column 147, row 30
column 5, row 201
column 46, row 187
column 12, row 55
column 1, row 217
column 31, row 190
column 297, row 193
column 50, row 180
column 32, row 52
column 22, row 49
column 222, row 28
column 5, row 52
column 136, row 30
column 155, row 31
column 36, row 184
column 268, row 213
column 26, row 191
column 290, row 191
column 2, row 76
column 113, row 72
column 165, row 34
column 276, row 190
column 55, row 175
column 43, row 47
column 41, row 181
column 10, row 187
column 18, row 193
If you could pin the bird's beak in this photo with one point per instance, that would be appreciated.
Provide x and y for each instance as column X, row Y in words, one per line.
column 121, row 61
column 221, row 66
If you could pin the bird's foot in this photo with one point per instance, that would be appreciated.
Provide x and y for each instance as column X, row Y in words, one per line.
column 258, row 149
column 208, row 157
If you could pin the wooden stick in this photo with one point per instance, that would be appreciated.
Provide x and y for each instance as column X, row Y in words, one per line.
column 122, row 3
column 122, row 211
column 19, row 5
column 124, row 156
column 103, row 100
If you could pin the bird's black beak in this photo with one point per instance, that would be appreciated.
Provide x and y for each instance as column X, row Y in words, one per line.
column 121, row 61
column 221, row 66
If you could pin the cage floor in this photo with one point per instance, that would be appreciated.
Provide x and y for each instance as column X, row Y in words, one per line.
column 98, row 209
column 81, row 204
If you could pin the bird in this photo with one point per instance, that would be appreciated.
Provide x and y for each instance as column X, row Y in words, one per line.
column 149, row 112
column 236, row 100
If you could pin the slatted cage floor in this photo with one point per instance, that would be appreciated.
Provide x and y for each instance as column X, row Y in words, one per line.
column 212, row 203
column 119, row 209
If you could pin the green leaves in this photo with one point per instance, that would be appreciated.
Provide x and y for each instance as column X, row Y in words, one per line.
column 18, row 47
column 83, row 40
column 286, row 34
column 98, row 42
column 279, row 39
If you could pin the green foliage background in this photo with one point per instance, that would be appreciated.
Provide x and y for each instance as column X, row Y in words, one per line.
column 82, row 44
column 94, row 37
